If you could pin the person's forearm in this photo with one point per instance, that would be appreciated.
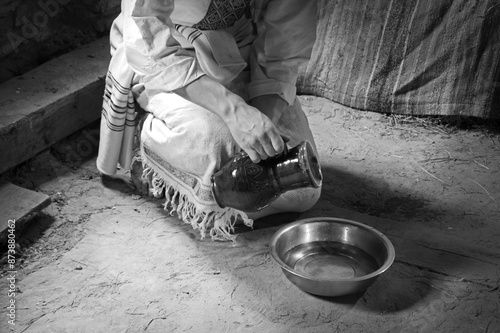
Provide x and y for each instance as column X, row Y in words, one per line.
column 252, row 129
column 212, row 96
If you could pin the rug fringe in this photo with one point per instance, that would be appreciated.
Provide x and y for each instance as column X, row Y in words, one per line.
column 218, row 223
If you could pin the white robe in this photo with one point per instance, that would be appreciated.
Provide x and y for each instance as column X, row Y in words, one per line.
column 157, row 49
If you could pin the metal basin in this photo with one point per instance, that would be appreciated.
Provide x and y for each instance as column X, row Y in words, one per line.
column 331, row 256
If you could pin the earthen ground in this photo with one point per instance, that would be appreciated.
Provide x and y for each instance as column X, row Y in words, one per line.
column 101, row 258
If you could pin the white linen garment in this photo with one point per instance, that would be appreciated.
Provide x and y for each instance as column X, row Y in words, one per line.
column 253, row 47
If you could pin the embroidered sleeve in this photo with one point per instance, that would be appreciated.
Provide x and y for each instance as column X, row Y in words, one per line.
column 151, row 49
column 284, row 43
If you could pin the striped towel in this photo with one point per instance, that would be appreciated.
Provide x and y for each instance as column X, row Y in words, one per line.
column 118, row 117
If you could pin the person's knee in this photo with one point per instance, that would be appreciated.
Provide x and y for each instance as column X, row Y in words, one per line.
column 210, row 144
column 213, row 134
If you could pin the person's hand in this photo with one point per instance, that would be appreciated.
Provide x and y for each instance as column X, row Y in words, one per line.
column 255, row 133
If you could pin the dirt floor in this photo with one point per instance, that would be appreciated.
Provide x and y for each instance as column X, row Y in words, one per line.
column 101, row 258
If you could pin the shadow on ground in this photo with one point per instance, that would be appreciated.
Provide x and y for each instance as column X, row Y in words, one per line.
column 370, row 196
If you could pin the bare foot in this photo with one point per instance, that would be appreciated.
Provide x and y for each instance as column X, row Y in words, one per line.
column 141, row 184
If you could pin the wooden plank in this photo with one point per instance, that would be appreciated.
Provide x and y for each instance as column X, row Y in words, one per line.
column 50, row 102
column 17, row 203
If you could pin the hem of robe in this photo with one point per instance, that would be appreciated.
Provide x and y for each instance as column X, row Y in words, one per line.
column 188, row 198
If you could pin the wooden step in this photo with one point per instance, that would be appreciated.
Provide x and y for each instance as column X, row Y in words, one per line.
column 50, row 102
column 16, row 205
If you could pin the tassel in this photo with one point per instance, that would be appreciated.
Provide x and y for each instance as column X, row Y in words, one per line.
column 219, row 224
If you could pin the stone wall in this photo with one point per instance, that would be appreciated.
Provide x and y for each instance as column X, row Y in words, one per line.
column 34, row 31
